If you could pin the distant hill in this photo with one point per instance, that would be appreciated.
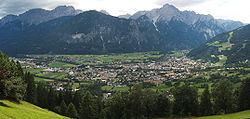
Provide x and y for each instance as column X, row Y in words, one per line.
column 24, row 110
column 226, row 48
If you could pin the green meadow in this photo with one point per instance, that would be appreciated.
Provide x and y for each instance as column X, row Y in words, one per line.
column 238, row 115
column 24, row 110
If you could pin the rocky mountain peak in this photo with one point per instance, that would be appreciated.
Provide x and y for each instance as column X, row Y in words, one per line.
column 169, row 7
column 166, row 13
column 104, row 12
column 64, row 8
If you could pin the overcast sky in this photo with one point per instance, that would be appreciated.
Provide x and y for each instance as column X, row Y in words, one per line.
column 226, row 9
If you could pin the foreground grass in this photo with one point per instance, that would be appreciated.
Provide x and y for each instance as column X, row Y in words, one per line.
column 24, row 110
column 238, row 115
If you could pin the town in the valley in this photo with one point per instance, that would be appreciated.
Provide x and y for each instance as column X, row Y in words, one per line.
column 152, row 68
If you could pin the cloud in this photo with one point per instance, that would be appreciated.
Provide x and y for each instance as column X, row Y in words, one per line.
column 20, row 6
column 181, row 3
column 226, row 9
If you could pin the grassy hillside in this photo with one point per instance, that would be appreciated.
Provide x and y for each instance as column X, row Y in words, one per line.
column 239, row 115
column 226, row 48
column 24, row 110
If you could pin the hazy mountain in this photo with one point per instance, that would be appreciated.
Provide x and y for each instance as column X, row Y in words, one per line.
column 37, row 16
column 125, row 16
column 230, row 47
column 229, row 24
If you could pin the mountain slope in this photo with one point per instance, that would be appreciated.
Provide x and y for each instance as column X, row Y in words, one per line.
column 90, row 32
column 24, row 110
column 230, row 47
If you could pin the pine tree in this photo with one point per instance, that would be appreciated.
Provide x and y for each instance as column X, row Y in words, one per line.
column 12, row 85
column 136, row 101
column 163, row 106
column 71, row 111
column 42, row 95
column 185, row 101
column 63, row 108
column 223, row 96
column 51, row 99
column 117, row 105
column 89, row 107
column 77, row 99
column 102, row 115
column 68, row 97
column 244, row 95
column 206, row 104
column 31, row 88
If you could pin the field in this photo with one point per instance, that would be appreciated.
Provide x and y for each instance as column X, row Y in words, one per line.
column 222, row 60
column 42, row 79
column 24, row 110
column 57, row 75
column 99, row 59
column 61, row 65
column 119, row 89
column 33, row 70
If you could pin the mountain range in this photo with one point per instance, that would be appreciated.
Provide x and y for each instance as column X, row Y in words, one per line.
column 65, row 30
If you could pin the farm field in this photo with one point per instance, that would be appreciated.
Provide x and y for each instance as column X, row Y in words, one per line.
column 24, row 110
column 61, row 65
column 33, row 70
column 56, row 75
column 119, row 89
column 99, row 59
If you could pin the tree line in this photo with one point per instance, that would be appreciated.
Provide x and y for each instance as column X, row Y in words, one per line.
column 137, row 103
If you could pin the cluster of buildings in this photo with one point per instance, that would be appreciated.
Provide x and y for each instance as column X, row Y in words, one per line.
column 119, row 73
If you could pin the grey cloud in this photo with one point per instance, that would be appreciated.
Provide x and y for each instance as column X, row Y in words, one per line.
column 20, row 6
column 180, row 3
